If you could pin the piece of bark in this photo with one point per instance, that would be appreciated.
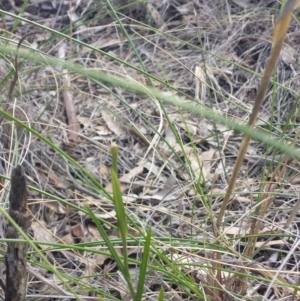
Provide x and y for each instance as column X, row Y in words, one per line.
column 16, row 255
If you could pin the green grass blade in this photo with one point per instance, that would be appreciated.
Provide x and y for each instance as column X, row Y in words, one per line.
column 161, row 294
column 108, row 243
column 143, row 267
column 16, row 23
column 117, row 195
column 119, row 205
column 123, row 266
column 131, row 86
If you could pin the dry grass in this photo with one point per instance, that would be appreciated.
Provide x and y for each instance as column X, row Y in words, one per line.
column 174, row 166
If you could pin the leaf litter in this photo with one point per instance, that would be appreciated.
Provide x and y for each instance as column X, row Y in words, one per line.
column 156, row 172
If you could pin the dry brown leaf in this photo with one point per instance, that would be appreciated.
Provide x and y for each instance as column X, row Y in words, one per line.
column 102, row 130
column 78, row 231
column 263, row 118
column 133, row 173
column 191, row 125
column 76, row 19
column 89, row 271
column 206, row 160
column 93, row 233
column 99, row 259
column 67, row 239
column 55, row 206
column 186, row 8
column 155, row 15
column 235, row 230
column 288, row 55
column 42, row 234
column 215, row 191
column 156, row 170
column 295, row 180
column 50, row 175
column 113, row 124
column 170, row 137
column 169, row 192
column 126, row 179
column 243, row 199
column 84, row 121
column 105, row 171
column 192, row 191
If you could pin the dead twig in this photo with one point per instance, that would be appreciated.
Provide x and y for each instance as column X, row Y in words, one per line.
column 67, row 94
column 70, row 109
